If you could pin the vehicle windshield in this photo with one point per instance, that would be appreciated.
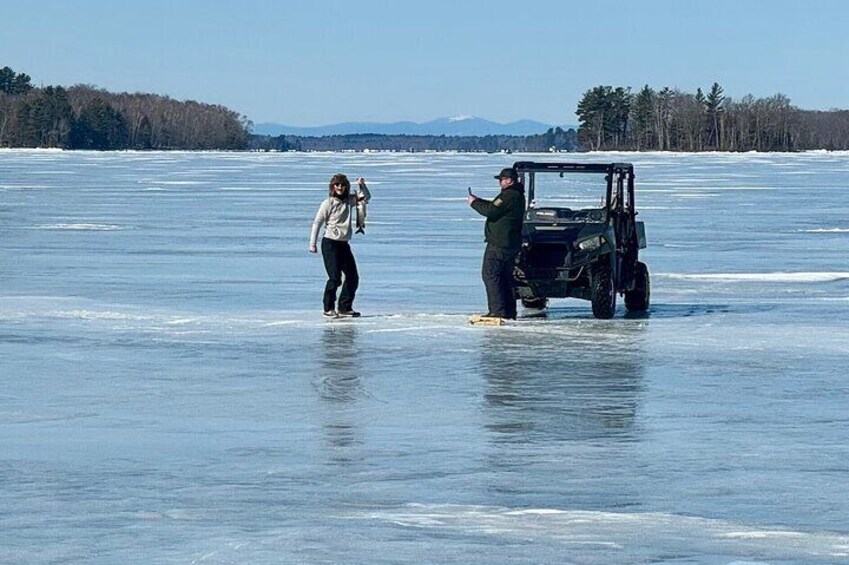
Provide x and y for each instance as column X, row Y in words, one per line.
column 574, row 191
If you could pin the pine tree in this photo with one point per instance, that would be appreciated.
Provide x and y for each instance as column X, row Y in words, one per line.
column 642, row 112
column 7, row 79
column 594, row 114
column 713, row 107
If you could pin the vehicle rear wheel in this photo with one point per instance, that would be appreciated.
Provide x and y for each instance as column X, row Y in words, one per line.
column 603, row 293
column 535, row 303
column 637, row 300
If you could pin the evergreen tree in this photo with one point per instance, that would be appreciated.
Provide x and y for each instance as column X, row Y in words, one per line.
column 7, row 79
column 14, row 83
column 644, row 119
column 99, row 126
column 713, row 107
column 54, row 117
column 21, row 84
column 621, row 100
column 596, row 116
column 604, row 113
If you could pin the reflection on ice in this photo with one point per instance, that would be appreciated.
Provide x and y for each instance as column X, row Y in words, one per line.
column 338, row 378
column 563, row 383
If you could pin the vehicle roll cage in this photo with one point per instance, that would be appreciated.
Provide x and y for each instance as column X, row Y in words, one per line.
column 621, row 193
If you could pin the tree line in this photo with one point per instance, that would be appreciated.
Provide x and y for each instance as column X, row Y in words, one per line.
column 610, row 118
column 85, row 117
column 555, row 139
column 614, row 118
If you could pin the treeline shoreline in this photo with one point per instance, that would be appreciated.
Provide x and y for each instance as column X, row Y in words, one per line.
column 85, row 117
column 610, row 119
column 555, row 139
column 614, row 118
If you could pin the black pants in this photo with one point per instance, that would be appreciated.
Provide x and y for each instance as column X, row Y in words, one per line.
column 339, row 261
column 497, row 274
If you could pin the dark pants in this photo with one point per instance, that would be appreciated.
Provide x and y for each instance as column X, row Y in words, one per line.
column 338, row 261
column 497, row 274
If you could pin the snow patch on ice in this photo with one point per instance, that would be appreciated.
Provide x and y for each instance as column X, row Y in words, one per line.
column 23, row 186
column 617, row 530
column 100, row 315
column 80, row 227
column 777, row 277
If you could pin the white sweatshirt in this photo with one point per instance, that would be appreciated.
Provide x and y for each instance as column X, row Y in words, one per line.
column 335, row 214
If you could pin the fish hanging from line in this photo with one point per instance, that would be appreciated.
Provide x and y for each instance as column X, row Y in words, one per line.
column 361, row 216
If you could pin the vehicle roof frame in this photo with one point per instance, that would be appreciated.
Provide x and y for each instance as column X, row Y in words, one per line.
column 621, row 171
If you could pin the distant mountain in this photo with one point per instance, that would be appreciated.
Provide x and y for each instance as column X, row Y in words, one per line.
column 459, row 126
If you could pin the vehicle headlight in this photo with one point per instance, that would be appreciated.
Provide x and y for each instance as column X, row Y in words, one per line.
column 591, row 243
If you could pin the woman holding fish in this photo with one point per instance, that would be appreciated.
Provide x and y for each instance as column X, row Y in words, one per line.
column 335, row 214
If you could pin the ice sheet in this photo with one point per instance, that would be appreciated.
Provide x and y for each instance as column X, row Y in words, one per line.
column 171, row 392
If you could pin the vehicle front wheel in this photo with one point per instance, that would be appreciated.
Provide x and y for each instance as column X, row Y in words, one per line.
column 637, row 300
column 603, row 293
column 535, row 303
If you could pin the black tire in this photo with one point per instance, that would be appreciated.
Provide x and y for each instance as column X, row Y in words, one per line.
column 637, row 300
column 535, row 303
column 603, row 293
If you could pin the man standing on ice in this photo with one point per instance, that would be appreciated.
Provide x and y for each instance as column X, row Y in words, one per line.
column 503, row 236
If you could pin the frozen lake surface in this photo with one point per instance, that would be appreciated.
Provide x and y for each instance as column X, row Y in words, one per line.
column 171, row 394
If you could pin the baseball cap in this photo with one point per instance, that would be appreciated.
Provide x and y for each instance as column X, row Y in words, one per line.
column 507, row 173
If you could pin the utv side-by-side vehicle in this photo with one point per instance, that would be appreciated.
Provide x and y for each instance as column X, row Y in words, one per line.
column 570, row 249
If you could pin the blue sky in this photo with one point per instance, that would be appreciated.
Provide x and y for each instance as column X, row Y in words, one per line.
column 302, row 63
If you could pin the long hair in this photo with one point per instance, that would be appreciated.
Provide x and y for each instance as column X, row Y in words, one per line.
column 339, row 178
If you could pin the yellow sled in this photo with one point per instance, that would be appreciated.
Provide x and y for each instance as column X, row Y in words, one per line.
column 486, row 321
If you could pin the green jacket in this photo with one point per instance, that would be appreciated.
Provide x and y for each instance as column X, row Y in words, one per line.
column 504, row 215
